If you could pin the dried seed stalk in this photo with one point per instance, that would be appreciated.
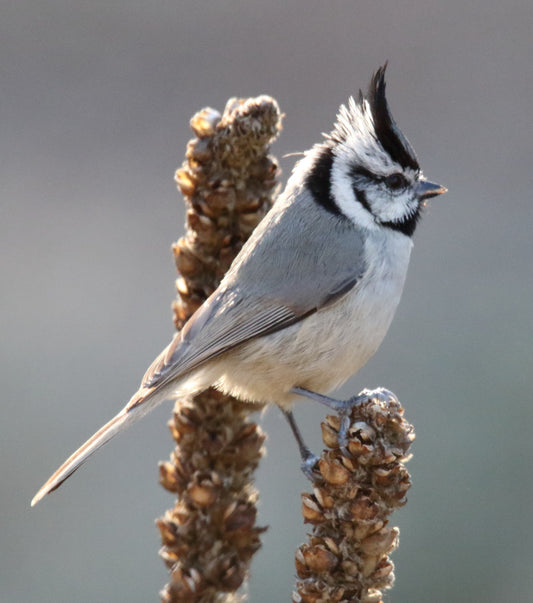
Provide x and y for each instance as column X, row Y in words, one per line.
column 346, row 558
column 228, row 181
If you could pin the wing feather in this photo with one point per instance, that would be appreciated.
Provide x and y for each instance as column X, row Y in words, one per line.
column 181, row 355
column 234, row 326
column 296, row 276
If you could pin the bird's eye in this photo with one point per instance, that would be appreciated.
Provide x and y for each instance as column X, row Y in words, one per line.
column 396, row 181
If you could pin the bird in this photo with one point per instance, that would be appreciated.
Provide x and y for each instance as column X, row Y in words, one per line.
column 311, row 294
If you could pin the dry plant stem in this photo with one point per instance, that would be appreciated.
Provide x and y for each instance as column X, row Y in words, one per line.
column 228, row 181
column 346, row 558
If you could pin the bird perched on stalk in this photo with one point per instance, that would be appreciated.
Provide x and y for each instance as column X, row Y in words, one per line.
column 312, row 293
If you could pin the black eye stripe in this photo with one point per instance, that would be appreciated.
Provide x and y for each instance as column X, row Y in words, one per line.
column 361, row 172
column 394, row 181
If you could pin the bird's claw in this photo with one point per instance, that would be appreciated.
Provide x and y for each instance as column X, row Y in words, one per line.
column 308, row 465
column 344, row 409
column 380, row 393
column 342, row 438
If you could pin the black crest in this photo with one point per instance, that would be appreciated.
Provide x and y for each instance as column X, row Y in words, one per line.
column 387, row 132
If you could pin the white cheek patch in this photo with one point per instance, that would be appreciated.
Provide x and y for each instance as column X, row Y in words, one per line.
column 384, row 205
column 343, row 193
column 393, row 208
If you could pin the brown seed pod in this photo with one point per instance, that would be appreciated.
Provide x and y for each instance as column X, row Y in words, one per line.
column 354, row 494
column 228, row 180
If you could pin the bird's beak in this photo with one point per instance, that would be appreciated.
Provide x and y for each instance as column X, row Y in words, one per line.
column 426, row 189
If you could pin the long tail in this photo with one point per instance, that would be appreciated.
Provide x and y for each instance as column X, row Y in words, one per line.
column 119, row 422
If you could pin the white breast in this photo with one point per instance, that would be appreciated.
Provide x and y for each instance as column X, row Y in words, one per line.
column 326, row 348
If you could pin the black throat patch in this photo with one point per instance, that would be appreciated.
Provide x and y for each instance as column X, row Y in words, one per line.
column 407, row 227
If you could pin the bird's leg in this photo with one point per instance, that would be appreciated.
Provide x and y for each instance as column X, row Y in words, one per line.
column 344, row 407
column 308, row 458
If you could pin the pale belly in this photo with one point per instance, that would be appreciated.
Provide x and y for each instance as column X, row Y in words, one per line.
column 326, row 348
column 318, row 354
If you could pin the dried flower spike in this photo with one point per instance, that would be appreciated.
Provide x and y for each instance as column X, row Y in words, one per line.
column 228, row 181
column 355, row 490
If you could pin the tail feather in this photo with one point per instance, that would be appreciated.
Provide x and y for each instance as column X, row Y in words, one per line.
column 101, row 437
column 140, row 404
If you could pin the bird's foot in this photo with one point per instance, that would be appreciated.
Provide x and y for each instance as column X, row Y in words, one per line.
column 344, row 408
column 308, row 465
column 309, row 460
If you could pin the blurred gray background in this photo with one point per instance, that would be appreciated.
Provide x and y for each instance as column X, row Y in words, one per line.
column 95, row 100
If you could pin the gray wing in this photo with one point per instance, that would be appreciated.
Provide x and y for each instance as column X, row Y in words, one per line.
column 278, row 279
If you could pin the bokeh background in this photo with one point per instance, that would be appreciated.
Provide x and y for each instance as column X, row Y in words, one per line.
column 95, row 100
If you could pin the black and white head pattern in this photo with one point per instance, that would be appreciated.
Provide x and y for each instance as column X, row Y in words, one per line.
column 366, row 170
